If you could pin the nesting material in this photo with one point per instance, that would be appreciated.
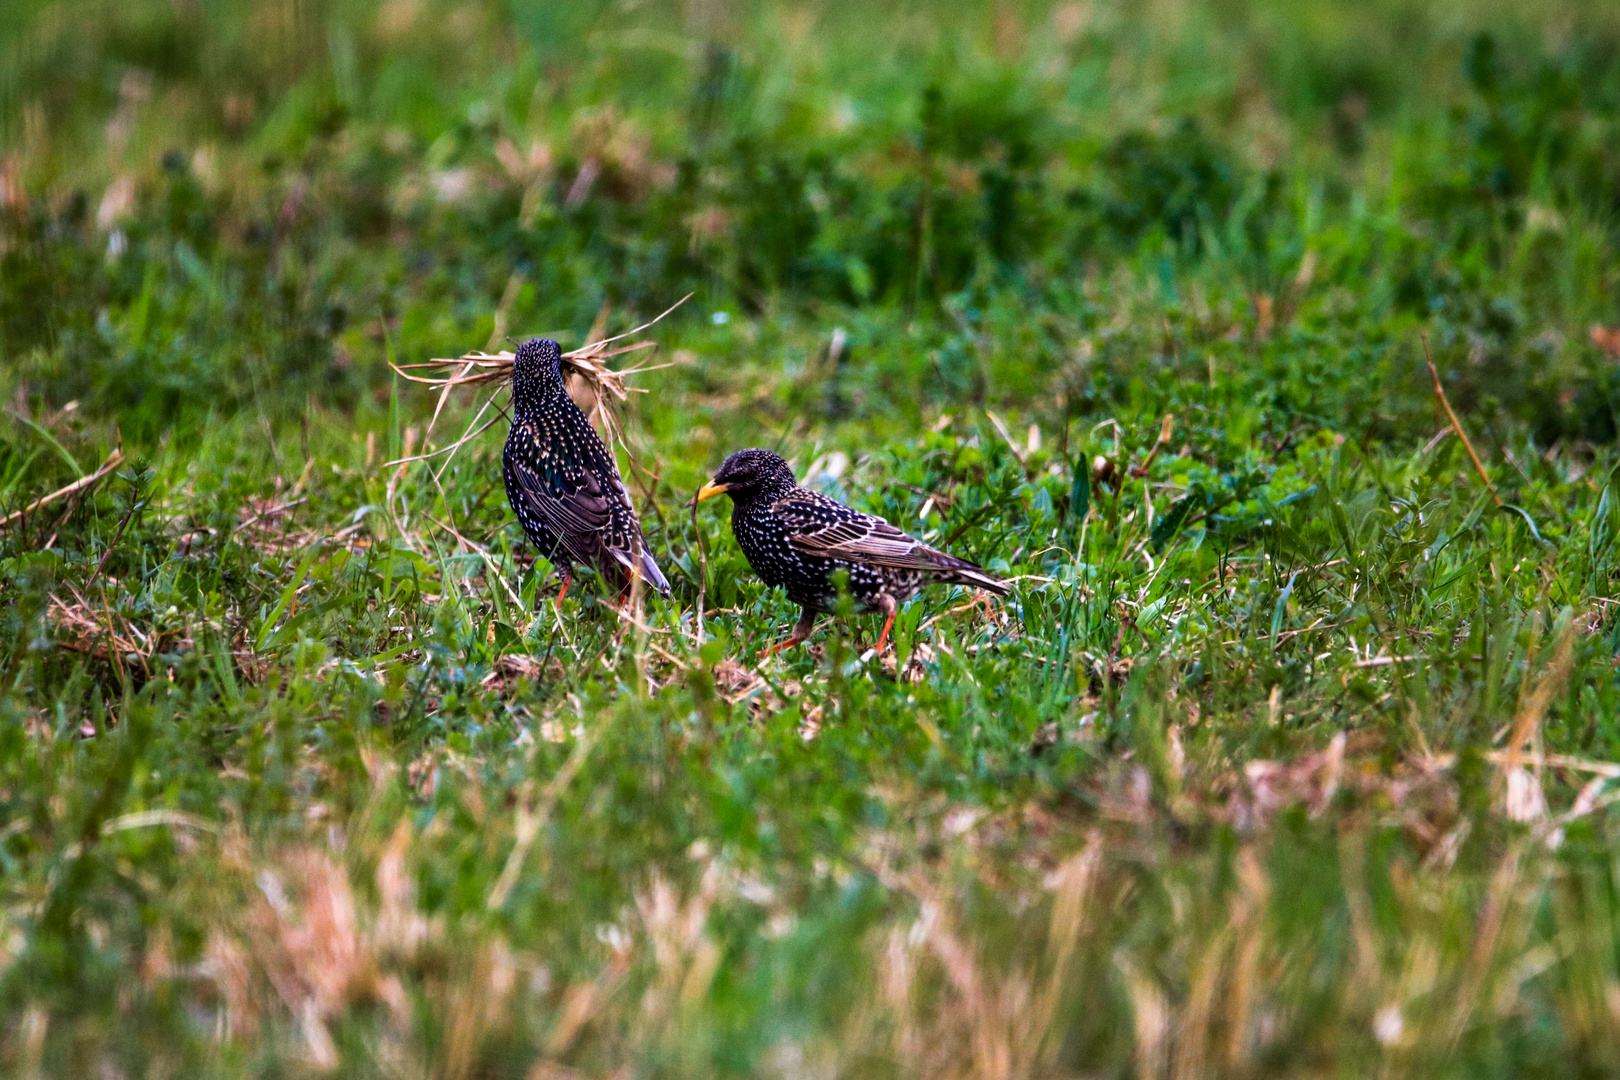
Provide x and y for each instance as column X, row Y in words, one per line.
column 595, row 385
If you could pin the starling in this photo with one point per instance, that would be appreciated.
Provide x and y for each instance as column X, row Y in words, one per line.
column 799, row 539
column 562, row 481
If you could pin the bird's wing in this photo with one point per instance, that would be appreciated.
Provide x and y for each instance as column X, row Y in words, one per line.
column 576, row 513
column 831, row 530
column 819, row 526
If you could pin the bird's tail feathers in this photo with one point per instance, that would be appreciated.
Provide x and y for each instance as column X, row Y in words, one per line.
column 961, row 572
column 647, row 570
column 980, row 580
column 655, row 577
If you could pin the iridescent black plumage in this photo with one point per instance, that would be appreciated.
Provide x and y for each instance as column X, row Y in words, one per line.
column 800, row 540
column 561, row 478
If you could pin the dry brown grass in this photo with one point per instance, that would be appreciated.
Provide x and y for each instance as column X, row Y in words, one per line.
column 597, row 384
column 309, row 942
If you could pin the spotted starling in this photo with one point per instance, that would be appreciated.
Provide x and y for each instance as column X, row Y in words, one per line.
column 799, row 539
column 562, row 481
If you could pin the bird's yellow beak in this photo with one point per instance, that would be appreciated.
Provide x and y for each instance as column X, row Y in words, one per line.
column 710, row 490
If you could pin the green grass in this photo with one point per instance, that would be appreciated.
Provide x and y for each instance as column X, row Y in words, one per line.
column 1290, row 754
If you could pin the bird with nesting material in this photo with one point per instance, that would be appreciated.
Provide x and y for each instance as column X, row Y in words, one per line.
column 563, row 482
column 800, row 539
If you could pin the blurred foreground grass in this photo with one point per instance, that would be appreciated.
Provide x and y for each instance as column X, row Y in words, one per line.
column 1292, row 753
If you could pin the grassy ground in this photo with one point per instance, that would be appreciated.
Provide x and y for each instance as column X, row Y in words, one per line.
column 1289, row 755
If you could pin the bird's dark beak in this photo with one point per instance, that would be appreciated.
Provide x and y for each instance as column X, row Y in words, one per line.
column 709, row 491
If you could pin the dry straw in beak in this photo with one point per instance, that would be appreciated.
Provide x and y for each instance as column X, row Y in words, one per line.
column 480, row 368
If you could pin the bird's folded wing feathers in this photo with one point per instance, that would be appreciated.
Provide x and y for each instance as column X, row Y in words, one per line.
column 833, row 531
column 577, row 517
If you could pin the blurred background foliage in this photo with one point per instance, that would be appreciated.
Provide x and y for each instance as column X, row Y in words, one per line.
column 217, row 206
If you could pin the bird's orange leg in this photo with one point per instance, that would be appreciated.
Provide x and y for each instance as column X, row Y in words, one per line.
column 893, row 609
column 786, row 643
column 568, row 579
column 801, row 630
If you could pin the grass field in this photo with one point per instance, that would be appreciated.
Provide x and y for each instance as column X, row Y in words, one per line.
column 1292, row 753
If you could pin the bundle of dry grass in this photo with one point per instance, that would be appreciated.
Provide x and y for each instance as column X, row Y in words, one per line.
column 595, row 386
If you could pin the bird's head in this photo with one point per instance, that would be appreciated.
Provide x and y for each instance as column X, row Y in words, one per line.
column 750, row 474
column 536, row 371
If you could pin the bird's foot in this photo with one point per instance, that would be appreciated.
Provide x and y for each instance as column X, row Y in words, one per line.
column 787, row 643
column 801, row 630
column 568, row 579
column 892, row 610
